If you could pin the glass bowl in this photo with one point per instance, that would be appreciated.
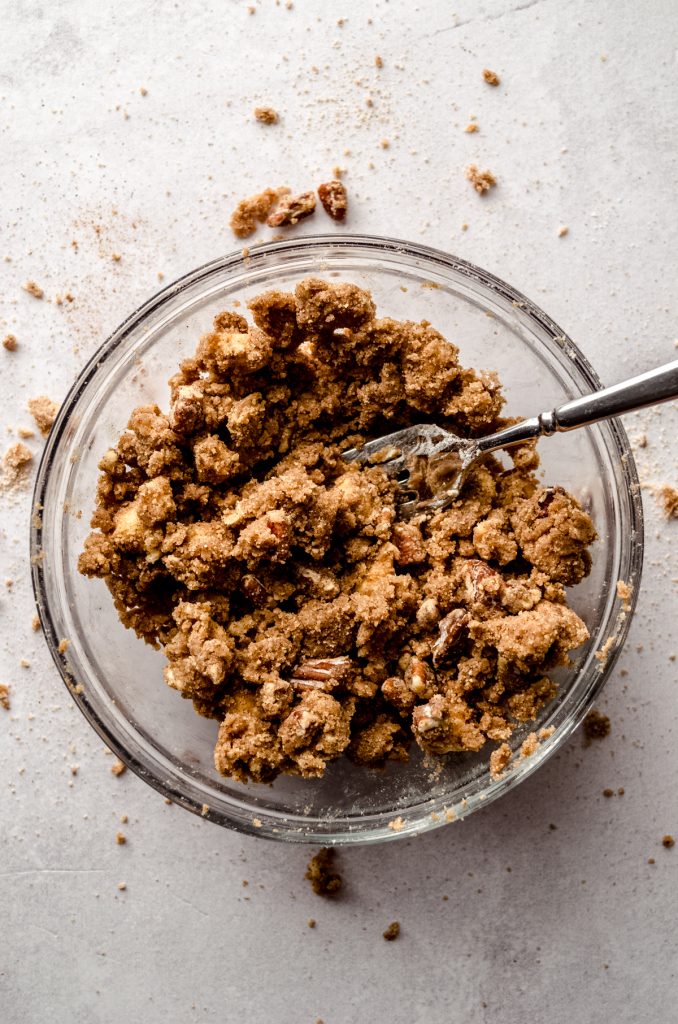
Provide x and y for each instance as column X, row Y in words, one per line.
column 116, row 679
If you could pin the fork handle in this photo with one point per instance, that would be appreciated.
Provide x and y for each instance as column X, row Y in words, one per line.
column 651, row 388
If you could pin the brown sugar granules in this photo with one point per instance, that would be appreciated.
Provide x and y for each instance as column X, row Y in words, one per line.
column 596, row 725
column 34, row 289
column 44, row 411
column 482, row 181
column 267, row 115
column 120, row 838
column 332, row 195
column 491, row 77
column 10, row 343
column 392, row 932
column 471, row 128
column 293, row 604
column 4, row 697
column 499, row 760
column 668, row 499
column 324, row 880
column 118, row 768
column 608, row 792
column 15, row 463
column 254, row 210
column 668, row 842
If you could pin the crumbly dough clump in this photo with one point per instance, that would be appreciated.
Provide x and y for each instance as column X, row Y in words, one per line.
column 292, row 603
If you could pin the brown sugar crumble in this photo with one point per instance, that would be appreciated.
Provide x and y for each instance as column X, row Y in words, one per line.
column 334, row 199
column 499, row 760
column 15, row 463
column 321, row 874
column 120, row 838
column 4, row 697
column 44, row 411
column 482, row 181
column 491, row 77
column 34, row 289
column 267, row 115
column 596, row 725
column 10, row 343
column 254, row 210
column 668, row 842
column 392, row 932
column 668, row 500
column 63, row 646
column 118, row 768
column 471, row 128
column 292, row 603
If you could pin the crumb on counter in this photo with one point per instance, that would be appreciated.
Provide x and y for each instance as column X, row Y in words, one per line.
column 34, row 289
column 118, row 768
column 10, row 343
column 392, row 931
column 63, row 645
column 255, row 209
column 15, row 463
column 291, row 209
column 482, row 181
column 4, row 697
column 325, row 881
column 44, row 411
column 491, row 77
column 334, row 199
column 563, row 230
column 668, row 500
column 596, row 725
column 267, row 115
column 668, row 842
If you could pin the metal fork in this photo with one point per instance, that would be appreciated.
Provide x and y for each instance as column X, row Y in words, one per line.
column 431, row 463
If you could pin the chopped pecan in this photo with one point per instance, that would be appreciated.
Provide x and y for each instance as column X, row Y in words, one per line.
column 483, row 583
column 397, row 692
column 452, row 630
column 410, row 544
column 427, row 613
column 292, row 209
column 421, row 678
column 332, row 195
column 186, row 413
column 322, row 673
column 253, row 589
column 546, row 497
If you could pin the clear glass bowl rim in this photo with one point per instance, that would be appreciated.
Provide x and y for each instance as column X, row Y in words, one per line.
column 366, row 246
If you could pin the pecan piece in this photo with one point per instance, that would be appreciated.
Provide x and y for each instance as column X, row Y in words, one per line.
column 410, row 544
column 292, row 209
column 321, row 673
column 421, row 679
column 253, row 589
column 332, row 195
column 452, row 630
column 397, row 692
column 546, row 497
column 483, row 584
column 428, row 615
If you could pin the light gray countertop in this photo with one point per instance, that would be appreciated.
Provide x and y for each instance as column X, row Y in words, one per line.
column 564, row 925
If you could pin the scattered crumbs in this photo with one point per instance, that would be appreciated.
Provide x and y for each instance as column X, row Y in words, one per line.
column 311, row 922
column 624, row 593
column 245, row 883
column 563, row 230
column 603, row 654
column 205, row 810
column 25, row 432
column 143, row 90
column 552, row 827
column 546, row 732
column 34, row 289
column 168, row 801
column 10, row 343
column 650, row 860
column 75, row 768
column 668, row 499
column 267, row 115
column 120, row 838
column 256, row 822
column 124, row 818
column 24, row 663
column 378, row 62
column 35, row 623
column 321, row 874
column 450, row 814
column 122, row 886
column 4, row 697
column 596, row 725
column 529, row 745
column 464, row 226
column 254, row 209
column 332, row 195
column 491, row 77
column 499, row 760
column 445, row 898
column 116, row 257
column 15, row 462
column 621, row 791
column 668, row 842
column 43, row 410
column 292, row 209
column 392, row 932
column 470, row 128
column 482, row 181
column 245, row 252
column 397, row 824
column 608, row 792
column 63, row 646
column 118, row 768
column 385, row 144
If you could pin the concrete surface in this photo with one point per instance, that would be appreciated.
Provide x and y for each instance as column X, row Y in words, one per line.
column 563, row 925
